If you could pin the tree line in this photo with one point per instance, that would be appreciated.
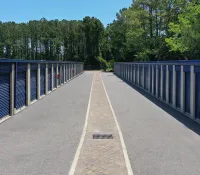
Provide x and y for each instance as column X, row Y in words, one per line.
column 147, row 30
column 156, row 30
column 52, row 40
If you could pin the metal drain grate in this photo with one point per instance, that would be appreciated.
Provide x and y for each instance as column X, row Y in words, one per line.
column 97, row 135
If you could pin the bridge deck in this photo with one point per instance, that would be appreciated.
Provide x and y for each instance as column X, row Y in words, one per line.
column 158, row 142
column 43, row 138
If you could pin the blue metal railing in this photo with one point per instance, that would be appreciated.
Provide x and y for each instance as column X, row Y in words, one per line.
column 176, row 83
column 24, row 81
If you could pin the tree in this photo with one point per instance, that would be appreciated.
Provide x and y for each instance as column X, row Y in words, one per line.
column 186, row 32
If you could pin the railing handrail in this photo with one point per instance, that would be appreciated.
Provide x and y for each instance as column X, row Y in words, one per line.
column 180, row 62
column 35, row 61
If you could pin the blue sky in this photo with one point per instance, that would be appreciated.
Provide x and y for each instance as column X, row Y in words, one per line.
column 25, row 10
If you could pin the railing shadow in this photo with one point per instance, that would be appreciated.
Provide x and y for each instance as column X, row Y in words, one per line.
column 188, row 122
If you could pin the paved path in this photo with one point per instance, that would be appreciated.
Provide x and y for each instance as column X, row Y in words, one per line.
column 100, row 156
column 43, row 138
column 157, row 143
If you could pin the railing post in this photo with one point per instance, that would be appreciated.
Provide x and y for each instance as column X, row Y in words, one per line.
column 174, row 87
column 161, row 82
column 167, row 84
column 192, row 92
column 12, row 89
column 46, row 79
column 182, row 89
column 38, row 82
column 28, row 89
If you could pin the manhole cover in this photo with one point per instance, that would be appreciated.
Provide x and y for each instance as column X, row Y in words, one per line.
column 100, row 135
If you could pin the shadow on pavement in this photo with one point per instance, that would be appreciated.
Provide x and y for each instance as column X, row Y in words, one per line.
column 189, row 123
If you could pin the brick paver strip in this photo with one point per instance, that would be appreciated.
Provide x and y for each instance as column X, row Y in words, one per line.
column 101, row 156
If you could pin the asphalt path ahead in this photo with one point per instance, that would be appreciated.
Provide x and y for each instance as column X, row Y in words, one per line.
column 157, row 142
column 43, row 138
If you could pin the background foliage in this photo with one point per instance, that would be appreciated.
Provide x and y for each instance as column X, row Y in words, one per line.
column 147, row 30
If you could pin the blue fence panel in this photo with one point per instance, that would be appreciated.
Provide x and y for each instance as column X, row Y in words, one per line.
column 125, row 71
column 33, row 85
column 66, row 71
column 159, row 81
column 42, row 79
column 197, row 91
column 154, row 79
column 164, row 82
column 20, row 90
column 140, row 75
column 61, row 74
column 146, row 77
column 49, row 79
column 130, row 73
column 20, row 85
column 170, row 68
column 178, row 86
column 4, row 94
column 151, row 89
column 33, row 81
column 70, row 73
column 5, row 69
column 54, row 77
column 136, row 74
column 63, row 77
column 187, row 88
column 59, row 71
column 133, row 67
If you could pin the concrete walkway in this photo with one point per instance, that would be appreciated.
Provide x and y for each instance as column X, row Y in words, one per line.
column 43, row 138
column 158, row 142
column 100, row 156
